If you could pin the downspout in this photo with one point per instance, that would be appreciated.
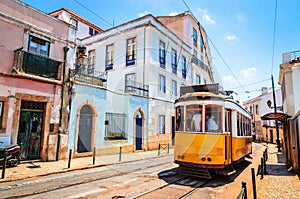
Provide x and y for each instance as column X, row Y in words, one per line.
column 66, row 49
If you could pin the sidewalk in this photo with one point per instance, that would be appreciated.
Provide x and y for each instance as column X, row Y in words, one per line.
column 278, row 182
column 36, row 168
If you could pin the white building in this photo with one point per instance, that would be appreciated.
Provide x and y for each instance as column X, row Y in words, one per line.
column 148, row 59
column 289, row 79
column 258, row 107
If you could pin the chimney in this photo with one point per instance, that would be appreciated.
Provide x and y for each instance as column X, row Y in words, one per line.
column 264, row 90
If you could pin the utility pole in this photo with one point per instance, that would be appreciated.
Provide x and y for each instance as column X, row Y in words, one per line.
column 275, row 111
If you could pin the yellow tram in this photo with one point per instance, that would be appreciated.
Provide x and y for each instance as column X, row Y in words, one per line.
column 212, row 131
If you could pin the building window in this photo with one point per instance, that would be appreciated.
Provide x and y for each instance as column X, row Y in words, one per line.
column 162, row 84
column 251, row 110
column 174, row 61
column 109, row 57
column 161, row 124
column 195, row 36
column 74, row 23
column 256, row 109
column 183, row 63
column 201, row 44
column 91, row 31
column 38, row 46
column 115, row 126
column 202, row 62
column 131, row 52
column 174, row 87
column 130, row 82
column 1, row 113
column 91, row 58
column 198, row 79
column 162, row 54
column 195, row 57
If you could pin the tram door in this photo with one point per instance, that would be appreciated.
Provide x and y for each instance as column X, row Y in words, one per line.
column 228, row 138
column 30, row 129
column 173, row 130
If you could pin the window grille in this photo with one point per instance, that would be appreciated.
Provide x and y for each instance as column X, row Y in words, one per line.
column 115, row 126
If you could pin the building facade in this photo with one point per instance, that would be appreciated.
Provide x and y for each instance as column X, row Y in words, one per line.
column 265, row 129
column 289, row 79
column 146, row 63
column 33, row 48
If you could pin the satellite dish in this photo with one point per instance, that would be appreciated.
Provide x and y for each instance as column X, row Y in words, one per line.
column 66, row 17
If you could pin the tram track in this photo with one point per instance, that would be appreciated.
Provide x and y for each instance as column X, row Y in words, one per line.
column 32, row 187
column 180, row 188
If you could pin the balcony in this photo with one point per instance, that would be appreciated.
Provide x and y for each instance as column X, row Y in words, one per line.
column 37, row 65
column 136, row 88
column 203, row 66
column 90, row 76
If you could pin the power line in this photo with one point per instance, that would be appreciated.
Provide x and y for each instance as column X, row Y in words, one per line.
column 274, row 33
column 217, row 50
column 252, row 83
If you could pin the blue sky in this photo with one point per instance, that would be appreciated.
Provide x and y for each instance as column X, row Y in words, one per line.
column 241, row 30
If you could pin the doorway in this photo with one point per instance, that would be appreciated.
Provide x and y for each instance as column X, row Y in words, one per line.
column 30, row 129
column 138, row 131
column 84, row 141
column 271, row 136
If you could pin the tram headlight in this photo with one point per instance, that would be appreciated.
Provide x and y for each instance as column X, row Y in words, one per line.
column 182, row 157
column 203, row 159
column 209, row 159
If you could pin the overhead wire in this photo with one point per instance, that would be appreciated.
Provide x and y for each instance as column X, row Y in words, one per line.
column 218, row 52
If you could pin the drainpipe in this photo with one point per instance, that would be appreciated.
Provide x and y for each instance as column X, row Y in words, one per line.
column 66, row 49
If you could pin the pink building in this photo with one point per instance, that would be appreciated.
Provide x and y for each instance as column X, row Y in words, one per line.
column 33, row 48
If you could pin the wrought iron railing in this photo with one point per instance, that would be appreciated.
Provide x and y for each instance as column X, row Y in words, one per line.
column 291, row 57
column 203, row 66
column 36, row 65
column 90, row 76
column 136, row 88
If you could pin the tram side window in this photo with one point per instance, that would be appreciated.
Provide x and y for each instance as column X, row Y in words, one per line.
column 179, row 118
column 194, row 118
column 238, row 124
column 1, row 108
column 213, row 118
column 228, row 127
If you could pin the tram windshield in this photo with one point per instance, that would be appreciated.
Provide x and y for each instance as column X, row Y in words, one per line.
column 194, row 118
column 213, row 118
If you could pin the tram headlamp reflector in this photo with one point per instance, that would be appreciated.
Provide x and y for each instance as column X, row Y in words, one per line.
column 209, row 159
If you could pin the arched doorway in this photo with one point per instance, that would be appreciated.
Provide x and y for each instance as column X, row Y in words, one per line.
column 84, row 141
column 138, row 131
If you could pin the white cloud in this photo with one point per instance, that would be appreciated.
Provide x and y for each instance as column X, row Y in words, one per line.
column 203, row 11
column 249, row 72
column 173, row 13
column 207, row 19
column 231, row 37
column 228, row 78
column 144, row 13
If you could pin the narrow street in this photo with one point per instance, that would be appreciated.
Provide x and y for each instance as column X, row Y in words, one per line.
column 148, row 178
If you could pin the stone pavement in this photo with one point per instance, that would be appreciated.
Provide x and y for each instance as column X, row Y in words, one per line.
column 279, row 182
column 31, row 169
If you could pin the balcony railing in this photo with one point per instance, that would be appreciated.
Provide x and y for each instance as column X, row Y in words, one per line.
column 91, row 76
column 203, row 66
column 291, row 57
column 37, row 65
column 136, row 88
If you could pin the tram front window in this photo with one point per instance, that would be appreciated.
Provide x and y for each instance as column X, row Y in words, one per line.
column 179, row 118
column 194, row 118
column 213, row 118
